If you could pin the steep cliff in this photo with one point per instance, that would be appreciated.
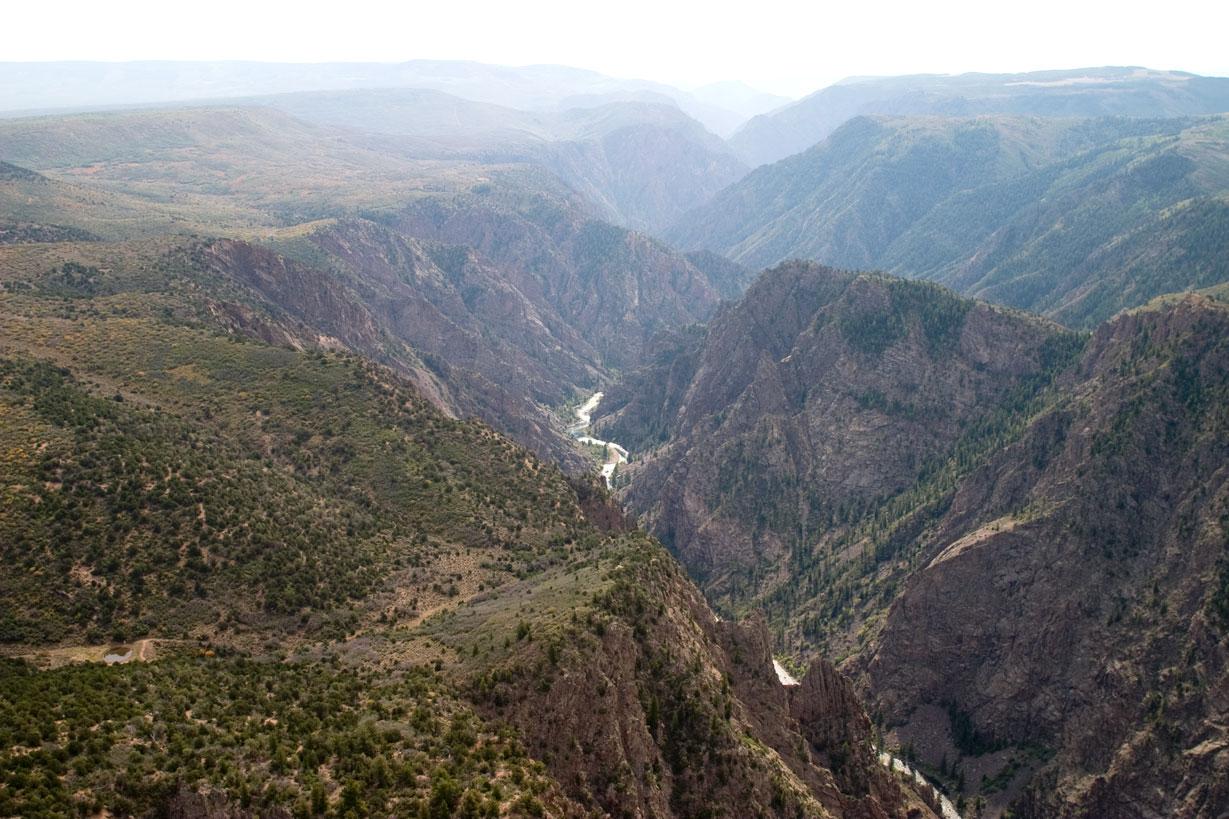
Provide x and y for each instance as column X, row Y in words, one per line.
column 647, row 705
column 1072, row 598
column 1012, row 536
column 818, row 394
column 1075, row 219
column 617, row 287
column 323, row 595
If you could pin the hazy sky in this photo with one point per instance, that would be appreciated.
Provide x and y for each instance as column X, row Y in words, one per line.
column 786, row 47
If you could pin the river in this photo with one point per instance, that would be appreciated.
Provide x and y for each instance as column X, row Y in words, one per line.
column 897, row 764
column 615, row 454
column 894, row 763
column 783, row 675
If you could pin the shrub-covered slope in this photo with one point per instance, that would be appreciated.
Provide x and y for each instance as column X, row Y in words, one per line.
column 333, row 599
column 1075, row 219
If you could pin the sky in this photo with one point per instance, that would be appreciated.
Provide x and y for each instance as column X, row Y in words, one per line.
column 789, row 48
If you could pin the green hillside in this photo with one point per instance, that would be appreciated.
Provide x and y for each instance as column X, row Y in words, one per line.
column 330, row 598
column 1081, row 92
column 1074, row 219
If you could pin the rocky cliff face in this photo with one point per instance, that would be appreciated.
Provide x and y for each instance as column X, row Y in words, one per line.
column 491, row 311
column 1073, row 596
column 731, row 279
column 391, row 302
column 820, row 392
column 652, row 707
column 616, row 287
column 1013, row 535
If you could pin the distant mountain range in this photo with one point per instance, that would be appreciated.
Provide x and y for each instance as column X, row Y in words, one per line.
column 1072, row 218
column 1085, row 92
column 640, row 164
column 43, row 86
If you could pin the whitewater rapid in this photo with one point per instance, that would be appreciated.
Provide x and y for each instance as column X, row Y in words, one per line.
column 783, row 675
column 896, row 764
column 615, row 454
column 887, row 760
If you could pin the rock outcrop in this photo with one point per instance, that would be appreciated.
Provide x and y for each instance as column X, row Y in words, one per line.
column 489, row 312
column 1012, row 536
column 819, row 393
column 1073, row 596
column 656, row 708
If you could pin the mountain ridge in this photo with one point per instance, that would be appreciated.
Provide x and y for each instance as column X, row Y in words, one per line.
column 1084, row 92
column 84, row 85
column 1072, row 218
column 1059, row 518
column 330, row 572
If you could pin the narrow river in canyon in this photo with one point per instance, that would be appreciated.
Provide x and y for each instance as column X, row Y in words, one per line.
column 615, row 454
column 894, row 763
